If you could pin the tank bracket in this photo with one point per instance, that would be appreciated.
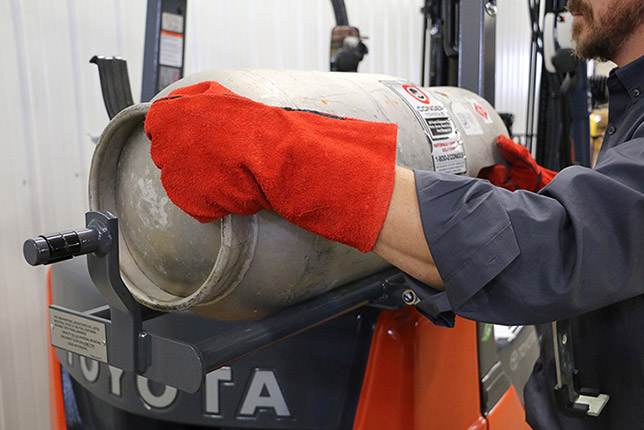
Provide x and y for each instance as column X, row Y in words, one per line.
column 119, row 336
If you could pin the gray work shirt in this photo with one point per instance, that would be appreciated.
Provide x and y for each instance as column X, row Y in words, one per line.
column 574, row 250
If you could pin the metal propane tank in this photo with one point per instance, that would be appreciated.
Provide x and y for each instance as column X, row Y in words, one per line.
column 243, row 267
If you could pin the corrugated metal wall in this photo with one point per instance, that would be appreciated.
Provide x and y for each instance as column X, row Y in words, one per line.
column 513, row 38
column 52, row 105
column 295, row 34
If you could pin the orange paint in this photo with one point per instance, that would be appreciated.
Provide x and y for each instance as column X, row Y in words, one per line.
column 56, row 405
column 420, row 376
column 479, row 424
column 323, row 102
column 171, row 33
column 508, row 414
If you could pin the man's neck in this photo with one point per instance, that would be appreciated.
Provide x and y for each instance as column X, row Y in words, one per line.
column 632, row 49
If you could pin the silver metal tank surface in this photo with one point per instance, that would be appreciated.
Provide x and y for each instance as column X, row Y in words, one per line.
column 242, row 267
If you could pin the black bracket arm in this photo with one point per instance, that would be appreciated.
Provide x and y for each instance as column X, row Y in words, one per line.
column 585, row 402
column 115, row 83
column 124, row 343
column 115, row 333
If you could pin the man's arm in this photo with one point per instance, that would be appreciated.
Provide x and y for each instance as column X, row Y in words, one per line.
column 402, row 241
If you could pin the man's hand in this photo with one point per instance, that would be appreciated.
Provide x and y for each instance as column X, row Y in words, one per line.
column 221, row 153
column 524, row 172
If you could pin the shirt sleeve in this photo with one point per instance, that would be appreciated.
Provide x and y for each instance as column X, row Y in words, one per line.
column 525, row 258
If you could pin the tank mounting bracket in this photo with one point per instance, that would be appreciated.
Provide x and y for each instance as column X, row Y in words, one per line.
column 115, row 334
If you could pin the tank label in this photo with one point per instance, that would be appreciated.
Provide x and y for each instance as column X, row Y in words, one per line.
column 468, row 121
column 77, row 334
column 481, row 111
column 446, row 144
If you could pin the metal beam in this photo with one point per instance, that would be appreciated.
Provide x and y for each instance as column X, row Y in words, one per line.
column 164, row 46
column 477, row 47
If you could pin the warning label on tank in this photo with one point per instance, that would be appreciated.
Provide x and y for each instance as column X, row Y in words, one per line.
column 481, row 111
column 467, row 119
column 440, row 128
column 77, row 334
column 446, row 144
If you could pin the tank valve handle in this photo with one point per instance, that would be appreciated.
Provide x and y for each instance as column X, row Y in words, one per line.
column 52, row 248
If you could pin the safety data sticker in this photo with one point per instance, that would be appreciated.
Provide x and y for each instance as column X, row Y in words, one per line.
column 468, row 121
column 77, row 334
column 171, row 49
column 446, row 144
column 171, row 43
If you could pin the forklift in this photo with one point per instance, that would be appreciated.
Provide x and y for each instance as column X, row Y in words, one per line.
column 357, row 357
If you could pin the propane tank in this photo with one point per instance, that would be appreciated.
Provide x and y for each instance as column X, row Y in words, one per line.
column 243, row 267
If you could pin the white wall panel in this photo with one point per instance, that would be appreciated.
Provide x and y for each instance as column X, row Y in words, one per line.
column 51, row 104
column 295, row 34
column 277, row 34
column 513, row 38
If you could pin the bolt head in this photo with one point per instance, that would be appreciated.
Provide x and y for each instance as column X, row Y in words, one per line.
column 490, row 9
column 409, row 297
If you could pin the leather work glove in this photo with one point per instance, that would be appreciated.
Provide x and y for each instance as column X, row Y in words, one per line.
column 524, row 173
column 221, row 153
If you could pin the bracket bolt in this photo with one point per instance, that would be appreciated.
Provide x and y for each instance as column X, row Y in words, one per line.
column 490, row 8
column 410, row 297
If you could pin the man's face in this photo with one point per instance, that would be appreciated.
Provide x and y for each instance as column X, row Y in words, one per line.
column 600, row 27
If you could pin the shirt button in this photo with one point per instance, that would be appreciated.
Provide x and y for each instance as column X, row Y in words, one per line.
column 611, row 130
column 636, row 92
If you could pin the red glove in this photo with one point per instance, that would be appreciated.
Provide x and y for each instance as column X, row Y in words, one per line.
column 524, row 173
column 220, row 153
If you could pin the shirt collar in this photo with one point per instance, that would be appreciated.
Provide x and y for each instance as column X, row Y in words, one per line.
column 630, row 77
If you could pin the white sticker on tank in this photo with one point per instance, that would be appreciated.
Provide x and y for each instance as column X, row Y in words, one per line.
column 447, row 148
column 466, row 118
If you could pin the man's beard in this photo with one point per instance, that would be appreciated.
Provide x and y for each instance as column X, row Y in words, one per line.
column 604, row 36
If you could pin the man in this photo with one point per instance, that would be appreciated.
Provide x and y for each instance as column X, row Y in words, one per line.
column 573, row 250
